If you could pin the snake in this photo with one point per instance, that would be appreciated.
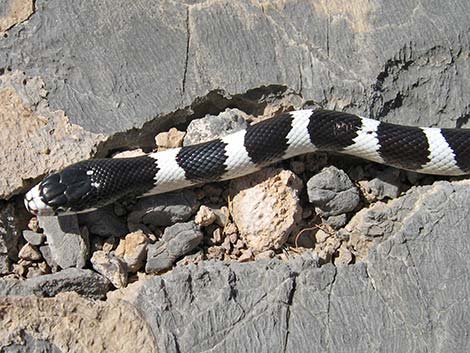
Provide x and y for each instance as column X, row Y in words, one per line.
column 93, row 183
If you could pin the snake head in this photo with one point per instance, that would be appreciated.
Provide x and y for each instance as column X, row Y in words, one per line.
column 61, row 192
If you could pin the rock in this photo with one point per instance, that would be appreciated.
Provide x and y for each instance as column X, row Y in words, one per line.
column 165, row 209
column 29, row 252
column 387, row 184
column 47, row 255
column 132, row 250
column 247, row 255
column 332, row 192
column 265, row 207
column 70, row 323
column 15, row 12
column 177, row 241
column 110, row 267
column 336, row 222
column 211, row 127
column 171, row 139
column 4, row 265
column 84, row 282
column 33, row 238
column 205, row 216
column 69, row 247
column 35, row 140
column 103, row 222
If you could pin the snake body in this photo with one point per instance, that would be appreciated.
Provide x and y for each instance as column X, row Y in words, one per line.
column 97, row 182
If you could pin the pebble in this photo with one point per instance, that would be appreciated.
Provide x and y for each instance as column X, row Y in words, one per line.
column 211, row 127
column 332, row 192
column 68, row 245
column 246, row 255
column 33, row 238
column 33, row 224
column 217, row 237
column 266, row 207
column 110, row 267
column 386, row 185
column 177, row 240
column 47, row 255
column 171, row 139
column 205, row 216
column 132, row 250
column 165, row 209
column 29, row 252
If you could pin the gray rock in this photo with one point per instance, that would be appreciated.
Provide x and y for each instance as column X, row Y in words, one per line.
column 33, row 238
column 4, row 264
column 84, row 282
column 69, row 247
column 386, row 185
column 415, row 279
column 165, row 209
column 336, row 222
column 110, row 267
column 47, row 256
column 177, row 241
column 332, row 192
column 211, row 127
column 103, row 222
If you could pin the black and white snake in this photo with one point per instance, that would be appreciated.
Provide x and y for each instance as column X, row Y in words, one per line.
column 97, row 182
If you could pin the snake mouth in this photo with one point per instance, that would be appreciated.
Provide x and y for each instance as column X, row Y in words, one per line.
column 35, row 205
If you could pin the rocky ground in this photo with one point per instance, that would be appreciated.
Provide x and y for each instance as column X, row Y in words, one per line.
column 320, row 253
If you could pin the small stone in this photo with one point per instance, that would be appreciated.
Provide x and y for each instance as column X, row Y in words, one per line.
column 266, row 207
column 345, row 256
column 33, row 238
column 47, row 255
column 233, row 238
column 336, row 222
column 217, row 236
column 332, row 192
column 386, row 185
column 246, row 255
column 132, row 250
column 110, row 267
column 222, row 216
column 171, row 139
column 33, row 224
column 230, row 228
column 165, row 209
column 69, row 246
column 205, row 216
column 29, row 252
column 215, row 252
column 211, row 127
column 34, row 272
column 109, row 244
column 177, row 240
column 268, row 254
column 20, row 270
column 227, row 245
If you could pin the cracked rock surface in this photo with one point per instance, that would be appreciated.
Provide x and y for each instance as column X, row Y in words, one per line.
column 383, row 269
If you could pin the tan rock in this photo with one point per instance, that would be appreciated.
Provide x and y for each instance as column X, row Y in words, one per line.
column 111, row 267
column 71, row 324
column 171, row 139
column 34, row 140
column 129, row 154
column 205, row 216
column 133, row 250
column 29, row 252
column 16, row 11
column 266, row 207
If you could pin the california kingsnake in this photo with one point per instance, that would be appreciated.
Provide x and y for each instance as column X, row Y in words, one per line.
column 97, row 182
